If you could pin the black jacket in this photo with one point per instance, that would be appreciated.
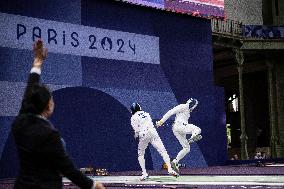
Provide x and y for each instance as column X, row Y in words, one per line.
column 41, row 153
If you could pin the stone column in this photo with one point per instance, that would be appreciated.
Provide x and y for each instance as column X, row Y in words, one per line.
column 240, row 61
column 272, row 107
column 279, row 69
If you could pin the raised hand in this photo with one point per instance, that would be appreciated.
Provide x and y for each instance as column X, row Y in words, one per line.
column 40, row 53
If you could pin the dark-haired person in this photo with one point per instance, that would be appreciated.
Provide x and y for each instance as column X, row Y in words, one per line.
column 144, row 129
column 40, row 149
column 181, row 128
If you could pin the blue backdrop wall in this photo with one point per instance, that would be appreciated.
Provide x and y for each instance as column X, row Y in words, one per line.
column 93, row 92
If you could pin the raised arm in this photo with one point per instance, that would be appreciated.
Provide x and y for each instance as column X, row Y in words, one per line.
column 171, row 112
column 40, row 53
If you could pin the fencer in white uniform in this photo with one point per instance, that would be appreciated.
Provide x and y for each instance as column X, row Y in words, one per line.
column 143, row 127
column 181, row 128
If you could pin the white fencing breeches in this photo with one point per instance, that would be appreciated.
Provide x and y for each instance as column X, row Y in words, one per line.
column 153, row 138
column 180, row 130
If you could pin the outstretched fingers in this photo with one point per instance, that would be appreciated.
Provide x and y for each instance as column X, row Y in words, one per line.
column 39, row 51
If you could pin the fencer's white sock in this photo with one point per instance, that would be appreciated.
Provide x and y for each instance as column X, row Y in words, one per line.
column 142, row 164
column 182, row 153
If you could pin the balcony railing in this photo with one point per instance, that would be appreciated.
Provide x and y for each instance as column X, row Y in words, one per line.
column 237, row 29
column 227, row 27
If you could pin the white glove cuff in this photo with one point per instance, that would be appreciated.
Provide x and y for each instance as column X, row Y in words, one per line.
column 36, row 70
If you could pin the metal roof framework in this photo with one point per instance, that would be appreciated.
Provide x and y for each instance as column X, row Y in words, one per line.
column 196, row 8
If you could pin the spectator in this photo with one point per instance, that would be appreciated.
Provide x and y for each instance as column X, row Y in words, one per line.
column 235, row 157
column 257, row 155
column 40, row 148
column 263, row 155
